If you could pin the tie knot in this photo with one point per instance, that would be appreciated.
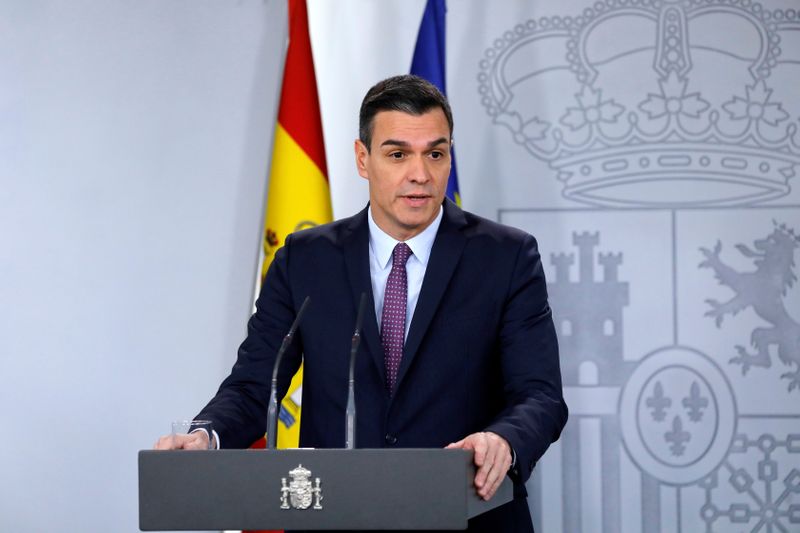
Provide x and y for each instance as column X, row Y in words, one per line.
column 400, row 254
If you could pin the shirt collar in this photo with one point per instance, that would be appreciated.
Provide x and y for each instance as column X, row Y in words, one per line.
column 383, row 244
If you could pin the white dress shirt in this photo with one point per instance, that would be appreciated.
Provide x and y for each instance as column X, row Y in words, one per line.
column 381, row 246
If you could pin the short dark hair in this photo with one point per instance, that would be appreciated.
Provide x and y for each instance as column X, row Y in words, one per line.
column 406, row 93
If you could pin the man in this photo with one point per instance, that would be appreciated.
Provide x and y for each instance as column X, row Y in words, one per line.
column 459, row 347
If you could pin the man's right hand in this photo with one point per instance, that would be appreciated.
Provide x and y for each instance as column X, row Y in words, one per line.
column 197, row 440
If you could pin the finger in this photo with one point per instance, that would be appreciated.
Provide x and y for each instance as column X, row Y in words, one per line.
column 484, row 476
column 484, row 460
column 491, row 487
column 495, row 476
column 501, row 462
column 487, row 473
column 481, row 447
column 165, row 442
column 196, row 441
column 181, row 441
column 193, row 444
column 453, row 445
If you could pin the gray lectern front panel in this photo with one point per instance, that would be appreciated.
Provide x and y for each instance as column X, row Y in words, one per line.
column 309, row 489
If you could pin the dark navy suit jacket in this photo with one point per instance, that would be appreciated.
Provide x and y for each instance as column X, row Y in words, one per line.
column 481, row 353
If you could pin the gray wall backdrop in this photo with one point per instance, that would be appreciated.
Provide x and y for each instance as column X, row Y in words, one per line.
column 650, row 145
column 134, row 138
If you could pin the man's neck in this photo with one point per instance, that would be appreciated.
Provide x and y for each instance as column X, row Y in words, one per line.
column 433, row 226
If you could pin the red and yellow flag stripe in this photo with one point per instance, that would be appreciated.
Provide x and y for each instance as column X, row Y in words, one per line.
column 298, row 196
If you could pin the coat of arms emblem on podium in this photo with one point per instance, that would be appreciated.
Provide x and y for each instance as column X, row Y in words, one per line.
column 300, row 492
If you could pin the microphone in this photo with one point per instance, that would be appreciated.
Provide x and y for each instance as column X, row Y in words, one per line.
column 350, row 411
column 272, row 411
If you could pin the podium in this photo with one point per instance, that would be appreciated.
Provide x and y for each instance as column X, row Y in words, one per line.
column 310, row 489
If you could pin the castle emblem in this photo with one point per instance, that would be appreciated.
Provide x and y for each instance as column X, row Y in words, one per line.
column 701, row 108
column 300, row 492
column 580, row 323
column 762, row 290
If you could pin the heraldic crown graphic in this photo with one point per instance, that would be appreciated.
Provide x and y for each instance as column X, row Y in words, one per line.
column 654, row 98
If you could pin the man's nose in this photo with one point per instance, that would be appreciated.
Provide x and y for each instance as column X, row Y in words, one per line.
column 418, row 171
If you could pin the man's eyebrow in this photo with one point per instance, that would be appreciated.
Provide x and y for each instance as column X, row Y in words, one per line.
column 440, row 140
column 394, row 142
column 405, row 144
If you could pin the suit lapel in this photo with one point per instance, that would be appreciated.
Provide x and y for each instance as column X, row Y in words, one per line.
column 356, row 256
column 445, row 255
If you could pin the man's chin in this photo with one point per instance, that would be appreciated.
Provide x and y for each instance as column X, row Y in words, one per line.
column 415, row 223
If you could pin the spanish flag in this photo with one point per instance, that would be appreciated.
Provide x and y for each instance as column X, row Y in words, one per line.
column 298, row 196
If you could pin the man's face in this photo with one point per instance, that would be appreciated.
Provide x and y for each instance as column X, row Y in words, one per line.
column 407, row 169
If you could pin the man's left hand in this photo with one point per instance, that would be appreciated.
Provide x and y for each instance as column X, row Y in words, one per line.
column 492, row 457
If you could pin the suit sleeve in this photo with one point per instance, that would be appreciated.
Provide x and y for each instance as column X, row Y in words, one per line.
column 535, row 411
column 239, row 409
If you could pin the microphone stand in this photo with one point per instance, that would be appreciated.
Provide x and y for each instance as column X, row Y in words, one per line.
column 350, row 411
column 272, row 411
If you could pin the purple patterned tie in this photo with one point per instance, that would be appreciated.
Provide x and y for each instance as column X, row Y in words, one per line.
column 393, row 319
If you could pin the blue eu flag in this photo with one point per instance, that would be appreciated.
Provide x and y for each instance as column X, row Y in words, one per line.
column 428, row 63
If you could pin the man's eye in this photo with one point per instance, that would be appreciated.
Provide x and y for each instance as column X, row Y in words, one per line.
column 437, row 155
column 396, row 155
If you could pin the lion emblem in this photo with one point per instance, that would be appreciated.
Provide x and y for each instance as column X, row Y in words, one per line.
column 764, row 290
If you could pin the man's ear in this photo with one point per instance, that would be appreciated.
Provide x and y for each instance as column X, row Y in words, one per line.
column 362, row 154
